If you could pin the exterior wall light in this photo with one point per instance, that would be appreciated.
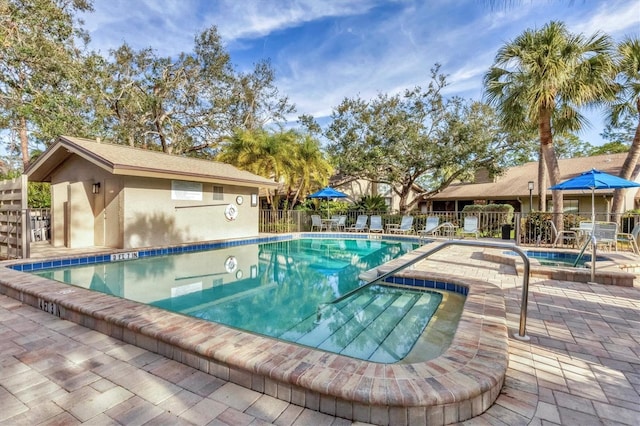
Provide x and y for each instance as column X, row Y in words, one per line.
column 530, row 184
column 96, row 188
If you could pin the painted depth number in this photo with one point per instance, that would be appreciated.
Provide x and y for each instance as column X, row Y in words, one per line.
column 124, row 256
column 49, row 307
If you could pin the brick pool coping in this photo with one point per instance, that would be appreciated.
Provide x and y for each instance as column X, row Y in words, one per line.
column 461, row 383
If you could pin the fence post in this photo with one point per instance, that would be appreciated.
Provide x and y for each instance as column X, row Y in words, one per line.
column 25, row 234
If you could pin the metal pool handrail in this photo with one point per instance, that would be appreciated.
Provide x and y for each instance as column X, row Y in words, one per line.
column 594, row 246
column 522, row 335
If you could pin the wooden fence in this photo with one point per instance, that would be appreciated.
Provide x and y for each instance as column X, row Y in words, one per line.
column 15, row 232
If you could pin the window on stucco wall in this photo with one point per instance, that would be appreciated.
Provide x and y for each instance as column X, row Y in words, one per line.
column 218, row 193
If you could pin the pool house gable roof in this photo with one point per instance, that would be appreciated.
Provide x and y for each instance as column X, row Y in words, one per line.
column 128, row 161
column 514, row 182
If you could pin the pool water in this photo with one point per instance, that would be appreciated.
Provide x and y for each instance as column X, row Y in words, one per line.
column 552, row 258
column 275, row 289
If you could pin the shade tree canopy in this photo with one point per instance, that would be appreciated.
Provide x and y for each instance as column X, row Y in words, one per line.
column 416, row 136
column 39, row 41
column 183, row 105
column 51, row 85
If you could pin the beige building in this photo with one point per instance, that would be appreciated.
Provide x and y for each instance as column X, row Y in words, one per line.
column 513, row 188
column 117, row 196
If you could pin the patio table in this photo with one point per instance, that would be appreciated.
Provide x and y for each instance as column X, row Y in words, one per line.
column 329, row 224
column 390, row 227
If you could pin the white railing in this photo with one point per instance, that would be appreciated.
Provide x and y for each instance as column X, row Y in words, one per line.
column 524, row 228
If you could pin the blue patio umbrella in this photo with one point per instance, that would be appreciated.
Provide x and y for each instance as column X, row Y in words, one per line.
column 328, row 193
column 594, row 179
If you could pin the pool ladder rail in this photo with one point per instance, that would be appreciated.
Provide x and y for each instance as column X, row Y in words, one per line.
column 594, row 248
column 522, row 334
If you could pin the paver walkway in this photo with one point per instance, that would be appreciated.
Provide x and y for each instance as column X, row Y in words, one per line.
column 581, row 367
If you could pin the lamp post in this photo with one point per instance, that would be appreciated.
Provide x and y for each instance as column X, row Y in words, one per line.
column 530, row 196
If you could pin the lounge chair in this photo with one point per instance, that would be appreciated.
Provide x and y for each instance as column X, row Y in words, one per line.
column 562, row 236
column 630, row 238
column 360, row 225
column 406, row 226
column 316, row 222
column 430, row 227
column 606, row 234
column 470, row 226
column 375, row 225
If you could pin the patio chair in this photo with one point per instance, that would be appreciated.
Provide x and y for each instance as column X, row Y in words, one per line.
column 562, row 236
column 375, row 224
column 360, row 225
column 316, row 222
column 341, row 223
column 470, row 227
column 605, row 233
column 630, row 238
column 430, row 227
column 584, row 231
column 406, row 226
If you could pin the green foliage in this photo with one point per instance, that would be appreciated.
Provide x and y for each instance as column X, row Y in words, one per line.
column 624, row 110
column 185, row 104
column 536, row 224
column 543, row 78
column 324, row 207
column 370, row 203
column 505, row 212
column 289, row 157
column 473, row 208
column 609, row 148
column 39, row 195
column 621, row 133
column 414, row 136
column 39, row 82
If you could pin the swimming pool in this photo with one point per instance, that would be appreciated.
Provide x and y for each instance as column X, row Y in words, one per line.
column 275, row 289
column 457, row 384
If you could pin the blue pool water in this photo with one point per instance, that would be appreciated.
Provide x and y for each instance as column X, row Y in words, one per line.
column 275, row 289
column 552, row 258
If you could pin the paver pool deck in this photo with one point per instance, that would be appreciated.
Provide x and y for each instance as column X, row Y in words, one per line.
column 581, row 366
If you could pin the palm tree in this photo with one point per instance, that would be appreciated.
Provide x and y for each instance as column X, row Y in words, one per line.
column 311, row 168
column 541, row 78
column 257, row 151
column 290, row 158
column 627, row 104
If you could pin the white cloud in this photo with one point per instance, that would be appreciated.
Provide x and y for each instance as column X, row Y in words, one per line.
column 255, row 18
column 614, row 18
column 365, row 46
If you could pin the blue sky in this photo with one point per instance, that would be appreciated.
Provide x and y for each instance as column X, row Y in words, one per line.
column 326, row 50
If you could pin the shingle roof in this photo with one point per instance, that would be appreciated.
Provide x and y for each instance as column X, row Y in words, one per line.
column 514, row 183
column 128, row 161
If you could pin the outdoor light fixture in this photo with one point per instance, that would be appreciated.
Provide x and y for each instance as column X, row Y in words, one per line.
column 96, row 188
column 530, row 196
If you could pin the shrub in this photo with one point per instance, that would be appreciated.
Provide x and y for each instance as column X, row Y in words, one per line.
column 371, row 203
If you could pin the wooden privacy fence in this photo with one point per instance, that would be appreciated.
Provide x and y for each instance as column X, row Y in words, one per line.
column 15, row 232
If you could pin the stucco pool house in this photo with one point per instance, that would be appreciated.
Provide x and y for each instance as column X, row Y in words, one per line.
column 120, row 197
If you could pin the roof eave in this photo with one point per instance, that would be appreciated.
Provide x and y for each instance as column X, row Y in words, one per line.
column 163, row 174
